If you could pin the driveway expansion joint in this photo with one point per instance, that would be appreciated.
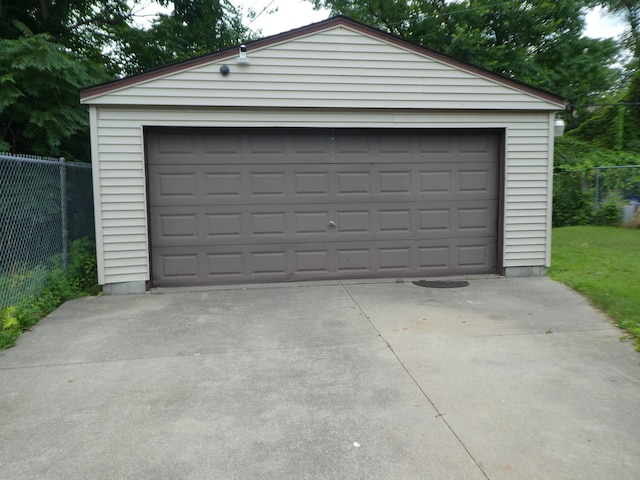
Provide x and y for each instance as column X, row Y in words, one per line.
column 439, row 414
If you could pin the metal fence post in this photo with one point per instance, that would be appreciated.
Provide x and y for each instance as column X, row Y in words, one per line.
column 597, row 199
column 63, row 212
column 45, row 204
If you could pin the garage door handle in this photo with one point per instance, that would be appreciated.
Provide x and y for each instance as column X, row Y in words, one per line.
column 332, row 223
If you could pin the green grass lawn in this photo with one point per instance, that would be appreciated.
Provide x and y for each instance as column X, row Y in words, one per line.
column 602, row 263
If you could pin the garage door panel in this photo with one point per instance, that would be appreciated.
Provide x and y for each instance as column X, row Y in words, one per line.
column 172, row 186
column 251, row 185
column 265, row 225
column 394, row 220
column 203, row 225
column 276, row 204
column 395, row 182
column 219, row 144
column 226, row 226
column 472, row 256
column 436, row 257
column 476, row 182
column 225, row 265
column 177, row 267
column 353, row 259
column 312, row 262
column 221, row 186
column 268, row 263
column 311, row 184
column 178, row 227
column 242, row 263
column 396, row 259
column 434, row 145
column 477, row 143
column 436, row 182
column 174, row 147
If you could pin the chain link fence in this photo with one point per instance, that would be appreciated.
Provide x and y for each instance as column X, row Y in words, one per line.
column 617, row 183
column 45, row 204
column 579, row 193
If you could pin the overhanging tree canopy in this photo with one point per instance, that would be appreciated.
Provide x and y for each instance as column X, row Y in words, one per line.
column 50, row 48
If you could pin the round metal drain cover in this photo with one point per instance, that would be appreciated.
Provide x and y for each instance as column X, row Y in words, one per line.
column 442, row 283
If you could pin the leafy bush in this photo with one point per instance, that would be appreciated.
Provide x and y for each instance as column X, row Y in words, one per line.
column 574, row 182
column 608, row 214
column 82, row 270
column 572, row 204
column 78, row 280
column 10, row 327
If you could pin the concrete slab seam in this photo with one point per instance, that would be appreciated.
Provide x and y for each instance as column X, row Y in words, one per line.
column 190, row 355
column 426, row 396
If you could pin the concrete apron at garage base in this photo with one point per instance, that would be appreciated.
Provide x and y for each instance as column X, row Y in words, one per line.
column 132, row 288
column 504, row 379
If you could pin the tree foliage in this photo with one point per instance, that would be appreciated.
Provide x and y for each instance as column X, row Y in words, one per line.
column 39, row 82
column 615, row 126
column 194, row 27
column 84, row 27
column 51, row 48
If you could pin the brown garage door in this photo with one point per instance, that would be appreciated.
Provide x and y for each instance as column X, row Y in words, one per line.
column 237, row 205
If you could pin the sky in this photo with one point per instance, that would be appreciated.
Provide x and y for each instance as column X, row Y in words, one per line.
column 288, row 14
column 276, row 16
column 292, row 14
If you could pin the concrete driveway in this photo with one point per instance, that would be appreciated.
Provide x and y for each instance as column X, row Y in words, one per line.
column 502, row 379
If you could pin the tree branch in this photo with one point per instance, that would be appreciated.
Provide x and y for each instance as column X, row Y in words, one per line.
column 44, row 10
column 103, row 20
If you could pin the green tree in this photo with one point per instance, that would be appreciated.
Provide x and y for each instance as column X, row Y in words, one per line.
column 51, row 48
column 615, row 126
column 39, row 108
column 85, row 27
column 194, row 27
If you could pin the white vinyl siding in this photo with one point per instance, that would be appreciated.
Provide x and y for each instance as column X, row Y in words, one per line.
column 335, row 68
column 120, row 170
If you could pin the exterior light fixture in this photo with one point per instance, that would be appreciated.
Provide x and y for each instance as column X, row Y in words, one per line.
column 242, row 56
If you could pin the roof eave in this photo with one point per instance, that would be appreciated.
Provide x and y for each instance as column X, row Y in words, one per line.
column 100, row 89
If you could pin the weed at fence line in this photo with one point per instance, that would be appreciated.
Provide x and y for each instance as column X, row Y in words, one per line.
column 608, row 213
column 22, row 281
column 78, row 280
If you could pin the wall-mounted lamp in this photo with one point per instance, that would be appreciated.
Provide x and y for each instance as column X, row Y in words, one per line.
column 558, row 127
column 242, row 56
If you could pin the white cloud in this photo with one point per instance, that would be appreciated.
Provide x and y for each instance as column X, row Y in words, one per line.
column 601, row 24
column 288, row 14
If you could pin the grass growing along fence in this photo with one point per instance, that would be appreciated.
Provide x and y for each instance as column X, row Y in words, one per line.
column 79, row 279
column 602, row 263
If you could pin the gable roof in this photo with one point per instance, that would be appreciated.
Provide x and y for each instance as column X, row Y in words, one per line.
column 105, row 88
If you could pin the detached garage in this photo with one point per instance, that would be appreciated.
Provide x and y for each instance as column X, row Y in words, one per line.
column 331, row 151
